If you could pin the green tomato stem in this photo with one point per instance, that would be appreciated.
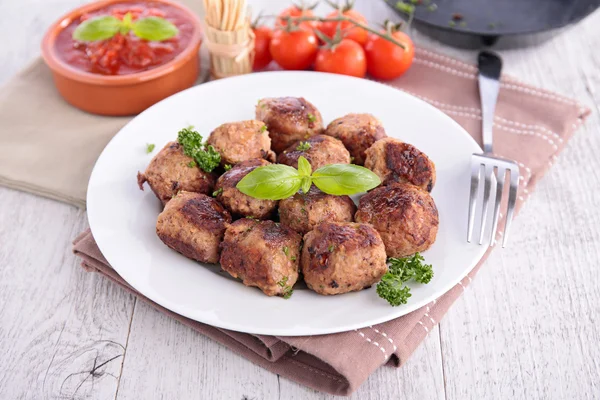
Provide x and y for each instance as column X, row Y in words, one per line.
column 343, row 18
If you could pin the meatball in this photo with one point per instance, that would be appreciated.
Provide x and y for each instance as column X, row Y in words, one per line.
column 397, row 162
column 404, row 215
column 289, row 119
column 358, row 132
column 241, row 141
column 237, row 202
column 171, row 171
column 341, row 257
column 193, row 224
column 264, row 254
column 302, row 212
column 319, row 150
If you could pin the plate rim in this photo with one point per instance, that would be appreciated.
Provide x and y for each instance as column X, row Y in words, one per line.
column 298, row 331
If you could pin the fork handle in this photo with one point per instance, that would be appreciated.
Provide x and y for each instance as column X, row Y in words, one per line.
column 490, row 66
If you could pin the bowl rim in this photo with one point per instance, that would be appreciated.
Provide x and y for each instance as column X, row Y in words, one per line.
column 57, row 65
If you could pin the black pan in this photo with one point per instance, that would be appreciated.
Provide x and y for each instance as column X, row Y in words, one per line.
column 464, row 21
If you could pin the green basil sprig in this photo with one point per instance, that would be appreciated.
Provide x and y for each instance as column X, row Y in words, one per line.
column 105, row 27
column 277, row 181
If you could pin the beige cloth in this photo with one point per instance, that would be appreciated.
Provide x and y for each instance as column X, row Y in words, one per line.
column 532, row 126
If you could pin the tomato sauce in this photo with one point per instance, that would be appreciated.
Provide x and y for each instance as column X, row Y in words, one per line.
column 125, row 54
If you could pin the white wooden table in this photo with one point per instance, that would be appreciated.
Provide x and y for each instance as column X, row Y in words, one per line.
column 526, row 329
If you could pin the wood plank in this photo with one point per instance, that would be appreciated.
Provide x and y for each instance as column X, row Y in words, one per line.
column 178, row 363
column 62, row 329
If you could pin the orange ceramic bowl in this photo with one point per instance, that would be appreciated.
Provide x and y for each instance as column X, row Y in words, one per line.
column 121, row 94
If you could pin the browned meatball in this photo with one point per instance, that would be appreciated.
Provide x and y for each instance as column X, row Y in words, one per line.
column 397, row 162
column 342, row 257
column 302, row 212
column 241, row 141
column 358, row 132
column 289, row 119
column 193, row 224
column 171, row 171
column 264, row 254
column 237, row 202
column 404, row 215
column 319, row 150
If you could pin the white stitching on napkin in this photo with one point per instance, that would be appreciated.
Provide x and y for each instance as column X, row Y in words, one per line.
column 529, row 127
column 522, row 132
column 385, row 336
column 547, row 96
column 506, row 128
column 440, row 104
column 325, row 374
column 547, row 134
column 373, row 343
column 504, row 83
column 444, row 68
column 431, row 319
column 442, row 57
column 424, row 327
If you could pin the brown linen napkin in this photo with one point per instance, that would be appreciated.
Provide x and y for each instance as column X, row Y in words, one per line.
column 531, row 127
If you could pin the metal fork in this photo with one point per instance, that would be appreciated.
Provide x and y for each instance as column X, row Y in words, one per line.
column 493, row 167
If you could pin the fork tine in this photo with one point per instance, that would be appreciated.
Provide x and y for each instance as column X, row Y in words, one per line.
column 475, row 177
column 499, row 189
column 512, row 199
column 488, row 171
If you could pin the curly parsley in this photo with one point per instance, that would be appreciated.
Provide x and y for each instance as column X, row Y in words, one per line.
column 204, row 155
column 227, row 167
column 150, row 147
column 303, row 146
column 392, row 285
column 217, row 192
column 311, row 118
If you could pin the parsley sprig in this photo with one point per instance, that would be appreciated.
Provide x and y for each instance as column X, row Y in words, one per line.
column 401, row 270
column 204, row 155
column 303, row 146
column 287, row 290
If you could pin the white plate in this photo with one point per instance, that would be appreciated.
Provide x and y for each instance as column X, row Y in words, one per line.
column 122, row 218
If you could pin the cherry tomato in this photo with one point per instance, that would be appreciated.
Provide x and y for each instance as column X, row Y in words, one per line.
column 346, row 58
column 294, row 50
column 295, row 11
column 349, row 30
column 262, row 55
column 386, row 60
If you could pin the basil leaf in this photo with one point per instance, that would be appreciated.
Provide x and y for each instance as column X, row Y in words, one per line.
column 306, row 184
column 98, row 28
column 304, row 167
column 126, row 23
column 344, row 179
column 154, row 28
column 271, row 182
